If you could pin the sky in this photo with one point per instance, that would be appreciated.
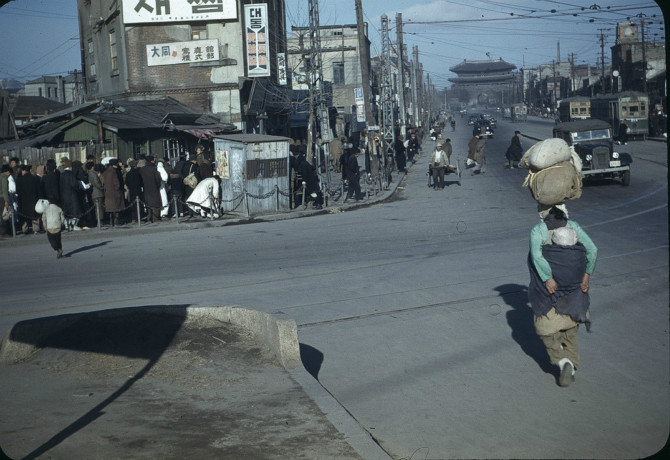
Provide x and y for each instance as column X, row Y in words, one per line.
column 40, row 37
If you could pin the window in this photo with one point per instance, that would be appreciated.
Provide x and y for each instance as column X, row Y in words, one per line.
column 172, row 148
column 92, row 70
column 39, row 90
column 199, row 32
column 338, row 73
column 113, row 51
column 90, row 46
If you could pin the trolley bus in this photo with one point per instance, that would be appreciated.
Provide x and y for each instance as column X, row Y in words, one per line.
column 633, row 107
column 519, row 112
column 574, row 108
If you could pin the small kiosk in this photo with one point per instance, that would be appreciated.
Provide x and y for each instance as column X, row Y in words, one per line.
column 255, row 173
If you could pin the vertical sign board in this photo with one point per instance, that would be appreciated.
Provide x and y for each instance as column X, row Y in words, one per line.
column 325, row 125
column 281, row 69
column 256, row 23
column 360, row 105
column 140, row 11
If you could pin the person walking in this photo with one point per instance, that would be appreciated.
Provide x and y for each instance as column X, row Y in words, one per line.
column 472, row 147
column 163, row 189
column 438, row 162
column 623, row 132
column 53, row 220
column 514, row 151
column 561, row 260
column 354, row 176
column 480, row 156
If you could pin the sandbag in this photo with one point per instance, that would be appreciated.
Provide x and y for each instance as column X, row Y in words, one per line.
column 555, row 184
column 548, row 153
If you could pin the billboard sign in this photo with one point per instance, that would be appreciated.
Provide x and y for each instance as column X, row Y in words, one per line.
column 256, row 26
column 182, row 52
column 141, row 11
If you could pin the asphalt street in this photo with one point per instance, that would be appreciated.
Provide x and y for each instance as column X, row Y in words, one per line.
column 412, row 313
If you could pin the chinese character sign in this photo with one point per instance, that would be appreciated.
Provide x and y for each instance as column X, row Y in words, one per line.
column 256, row 20
column 281, row 69
column 360, row 104
column 182, row 52
column 139, row 11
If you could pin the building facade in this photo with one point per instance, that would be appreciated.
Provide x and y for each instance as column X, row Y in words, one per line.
column 221, row 57
column 340, row 60
column 65, row 89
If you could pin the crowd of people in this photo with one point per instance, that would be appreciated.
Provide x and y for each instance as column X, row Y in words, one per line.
column 103, row 193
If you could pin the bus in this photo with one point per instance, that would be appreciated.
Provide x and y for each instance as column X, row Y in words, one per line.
column 574, row 108
column 633, row 107
column 519, row 112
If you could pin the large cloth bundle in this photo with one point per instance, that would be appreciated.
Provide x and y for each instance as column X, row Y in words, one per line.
column 547, row 153
column 555, row 184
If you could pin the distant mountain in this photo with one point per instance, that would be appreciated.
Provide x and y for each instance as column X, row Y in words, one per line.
column 10, row 84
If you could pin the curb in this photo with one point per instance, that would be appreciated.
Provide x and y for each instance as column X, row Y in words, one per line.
column 274, row 331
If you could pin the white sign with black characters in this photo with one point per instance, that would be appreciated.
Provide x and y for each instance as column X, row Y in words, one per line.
column 140, row 11
column 182, row 52
column 281, row 69
column 256, row 21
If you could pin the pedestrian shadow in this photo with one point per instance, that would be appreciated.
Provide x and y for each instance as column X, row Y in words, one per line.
column 140, row 332
column 520, row 320
column 86, row 248
column 311, row 359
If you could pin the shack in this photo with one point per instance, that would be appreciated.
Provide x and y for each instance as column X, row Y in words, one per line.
column 254, row 171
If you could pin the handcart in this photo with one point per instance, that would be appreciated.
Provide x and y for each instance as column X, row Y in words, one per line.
column 450, row 169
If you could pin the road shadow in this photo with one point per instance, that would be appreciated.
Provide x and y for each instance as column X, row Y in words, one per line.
column 140, row 332
column 312, row 359
column 86, row 248
column 520, row 320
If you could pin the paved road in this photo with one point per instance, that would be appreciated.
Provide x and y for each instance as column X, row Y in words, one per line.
column 413, row 313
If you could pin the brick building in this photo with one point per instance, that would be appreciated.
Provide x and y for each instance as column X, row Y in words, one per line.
column 216, row 56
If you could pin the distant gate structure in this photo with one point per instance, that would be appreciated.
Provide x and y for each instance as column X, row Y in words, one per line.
column 489, row 82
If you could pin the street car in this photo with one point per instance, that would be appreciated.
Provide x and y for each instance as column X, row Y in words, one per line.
column 592, row 140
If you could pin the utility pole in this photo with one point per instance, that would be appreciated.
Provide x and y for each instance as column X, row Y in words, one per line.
column 401, row 72
column 412, row 76
column 419, row 85
column 388, row 146
column 644, row 59
column 553, row 92
column 602, row 58
column 316, row 93
column 364, row 54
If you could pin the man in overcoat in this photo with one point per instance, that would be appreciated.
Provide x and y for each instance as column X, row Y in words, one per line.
column 151, row 184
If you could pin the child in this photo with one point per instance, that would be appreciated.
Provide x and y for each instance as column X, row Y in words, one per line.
column 53, row 220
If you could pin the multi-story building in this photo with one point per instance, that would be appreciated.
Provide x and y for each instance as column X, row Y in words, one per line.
column 67, row 89
column 340, row 60
column 637, row 61
column 221, row 57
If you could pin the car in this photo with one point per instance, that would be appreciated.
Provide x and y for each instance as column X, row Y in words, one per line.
column 593, row 142
column 483, row 127
column 491, row 119
column 473, row 119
